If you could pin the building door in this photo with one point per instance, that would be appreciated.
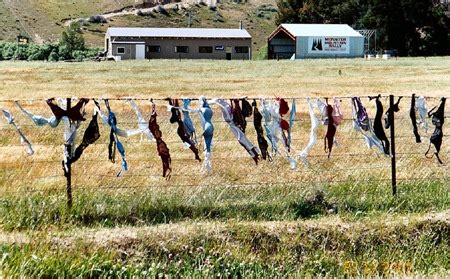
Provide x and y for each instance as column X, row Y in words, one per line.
column 229, row 50
column 140, row 51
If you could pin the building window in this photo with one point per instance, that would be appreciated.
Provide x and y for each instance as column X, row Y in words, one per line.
column 181, row 49
column 154, row 49
column 205, row 49
column 241, row 49
column 120, row 50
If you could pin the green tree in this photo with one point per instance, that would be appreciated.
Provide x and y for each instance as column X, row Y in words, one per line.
column 71, row 40
column 413, row 27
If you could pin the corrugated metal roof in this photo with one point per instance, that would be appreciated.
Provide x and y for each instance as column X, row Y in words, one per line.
column 301, row 30
column 178, row 32
column 127, row 42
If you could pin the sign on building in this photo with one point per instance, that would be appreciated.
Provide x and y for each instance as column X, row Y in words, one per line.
column 328, row 45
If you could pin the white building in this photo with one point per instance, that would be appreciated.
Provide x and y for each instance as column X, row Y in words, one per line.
column 315, row 41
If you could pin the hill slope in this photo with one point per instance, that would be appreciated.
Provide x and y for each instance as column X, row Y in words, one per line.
column 44, row 20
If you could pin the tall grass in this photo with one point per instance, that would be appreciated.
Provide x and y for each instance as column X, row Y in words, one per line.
column 167, row 205
column 240, row 250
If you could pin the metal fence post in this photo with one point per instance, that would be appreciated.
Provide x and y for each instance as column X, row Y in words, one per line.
column 393, row 162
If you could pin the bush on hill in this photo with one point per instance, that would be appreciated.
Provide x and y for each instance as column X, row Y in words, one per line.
column 97, row 19
column 49, row 51
column 71, row 47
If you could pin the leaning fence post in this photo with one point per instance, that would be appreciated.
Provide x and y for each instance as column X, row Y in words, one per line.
column 68, row 164
column 393, row 162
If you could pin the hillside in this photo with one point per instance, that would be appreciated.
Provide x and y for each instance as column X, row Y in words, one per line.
column 44, row 20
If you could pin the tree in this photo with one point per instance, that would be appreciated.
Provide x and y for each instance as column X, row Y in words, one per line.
column 413, row 27
column 71, row 40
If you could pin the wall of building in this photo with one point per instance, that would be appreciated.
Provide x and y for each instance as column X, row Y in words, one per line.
column 281, row 48
column 130, row 51
column 356, row 49
column 167, row 48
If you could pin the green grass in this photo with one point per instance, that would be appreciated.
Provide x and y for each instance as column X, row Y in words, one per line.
column 268, row 203
column 241, row 250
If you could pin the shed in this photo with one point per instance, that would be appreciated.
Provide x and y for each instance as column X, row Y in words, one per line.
column 178, row 43
column 315, row 41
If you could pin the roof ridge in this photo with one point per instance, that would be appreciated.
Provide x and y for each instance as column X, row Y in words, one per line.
column 178, row 32
column 320, row 29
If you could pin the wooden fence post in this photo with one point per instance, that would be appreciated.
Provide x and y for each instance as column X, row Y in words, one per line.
column 68, row 173
column 393, row 162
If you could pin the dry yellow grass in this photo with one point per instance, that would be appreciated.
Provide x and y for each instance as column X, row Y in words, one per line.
column 232, row 165
column 429, row 77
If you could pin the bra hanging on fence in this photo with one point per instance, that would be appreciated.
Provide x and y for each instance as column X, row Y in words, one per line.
column 163, row 150
column 437, row 118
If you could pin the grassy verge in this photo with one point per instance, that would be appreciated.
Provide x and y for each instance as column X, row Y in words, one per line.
column 259, row 203
column 237, row 249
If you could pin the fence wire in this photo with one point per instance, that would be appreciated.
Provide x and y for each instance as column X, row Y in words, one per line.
column 351, row 162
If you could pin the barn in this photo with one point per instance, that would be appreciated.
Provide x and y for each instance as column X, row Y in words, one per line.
column 315, row 41
column 178, row 43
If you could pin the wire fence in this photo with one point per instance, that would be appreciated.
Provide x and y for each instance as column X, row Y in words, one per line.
column 351, row 161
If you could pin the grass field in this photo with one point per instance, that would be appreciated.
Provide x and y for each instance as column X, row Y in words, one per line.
column 429, row 77
column 335, row 217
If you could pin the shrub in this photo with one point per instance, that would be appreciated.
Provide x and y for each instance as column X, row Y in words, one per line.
column 78, row 55
column 91, row 52
column 47, row 49
column 218, row 17
column 64, row 52
column 34, row 53
column 146, row 13
column 97, row 19
column 9, row 49
column 53, row 57
column 21, row 52
column 160, row 9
